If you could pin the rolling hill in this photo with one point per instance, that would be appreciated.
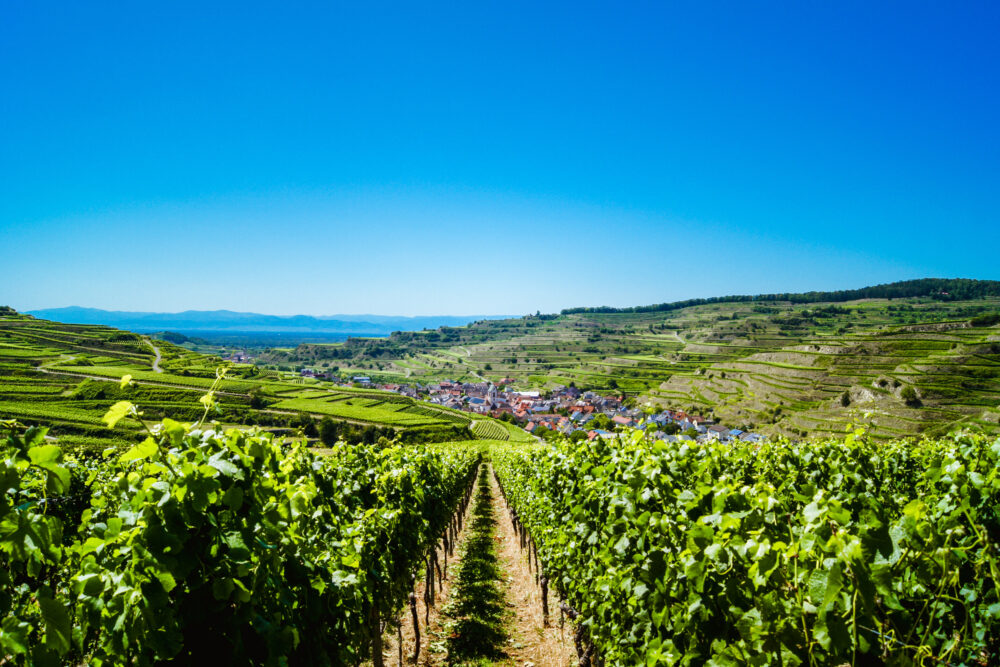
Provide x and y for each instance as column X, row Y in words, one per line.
column 906, row 358
column 66, row 376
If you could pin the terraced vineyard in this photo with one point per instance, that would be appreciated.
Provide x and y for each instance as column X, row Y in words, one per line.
column 63, row 375
column 487, row 429
column 908, row 365
column 493, row 429
column 358, row 410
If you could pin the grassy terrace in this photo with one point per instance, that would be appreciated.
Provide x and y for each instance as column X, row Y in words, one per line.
column 66, row 376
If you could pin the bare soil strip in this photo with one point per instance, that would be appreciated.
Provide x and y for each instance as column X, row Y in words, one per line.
column 530, row 645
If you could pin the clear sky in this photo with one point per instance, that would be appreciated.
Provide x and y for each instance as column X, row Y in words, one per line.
column 456, row 158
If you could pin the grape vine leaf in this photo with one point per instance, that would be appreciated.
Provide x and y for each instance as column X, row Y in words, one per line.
column 142, row 451
column 117, row 412
column 57, row 624
column 47, row 458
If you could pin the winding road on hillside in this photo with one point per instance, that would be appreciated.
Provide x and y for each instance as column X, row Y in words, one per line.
column 156, row 361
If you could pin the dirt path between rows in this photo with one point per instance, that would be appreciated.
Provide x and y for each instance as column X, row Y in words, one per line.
column 530, row 644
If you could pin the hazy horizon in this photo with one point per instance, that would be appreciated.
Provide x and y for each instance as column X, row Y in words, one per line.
column 258, row 312
column 421, row 315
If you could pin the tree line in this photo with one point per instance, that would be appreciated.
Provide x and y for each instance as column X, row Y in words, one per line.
column 943, row 289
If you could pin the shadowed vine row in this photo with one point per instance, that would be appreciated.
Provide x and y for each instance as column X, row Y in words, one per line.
column 198, row 546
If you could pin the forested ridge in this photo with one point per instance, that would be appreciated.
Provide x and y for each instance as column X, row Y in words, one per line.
column 944, row 289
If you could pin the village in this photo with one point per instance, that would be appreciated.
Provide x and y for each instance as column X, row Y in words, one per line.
column 564, row 410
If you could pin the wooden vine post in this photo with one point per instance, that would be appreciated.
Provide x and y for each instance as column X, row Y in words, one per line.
column 376, row 632
column 545, row 600
column 447, row 553
column 538, row 566
column 416, row 627
column 427, row 599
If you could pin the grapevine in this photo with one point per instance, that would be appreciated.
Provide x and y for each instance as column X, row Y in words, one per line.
column 197, row 545
column 827, row 552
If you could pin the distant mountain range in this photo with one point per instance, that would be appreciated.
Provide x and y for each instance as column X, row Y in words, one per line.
column 229, row 321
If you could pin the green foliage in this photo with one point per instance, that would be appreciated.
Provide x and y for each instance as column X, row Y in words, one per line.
column 987, row 320
column 198, row 546
column 909, row 395
column 257, row 400
column 328, row 431
column 827, row 552
column 117, row 412
column 602, row 422
column 31, row 471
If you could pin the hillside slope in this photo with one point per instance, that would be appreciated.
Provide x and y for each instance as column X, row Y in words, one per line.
column 66, row 376
column 790, row 366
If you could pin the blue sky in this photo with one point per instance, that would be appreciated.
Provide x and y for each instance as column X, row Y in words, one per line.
column 432, row 158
